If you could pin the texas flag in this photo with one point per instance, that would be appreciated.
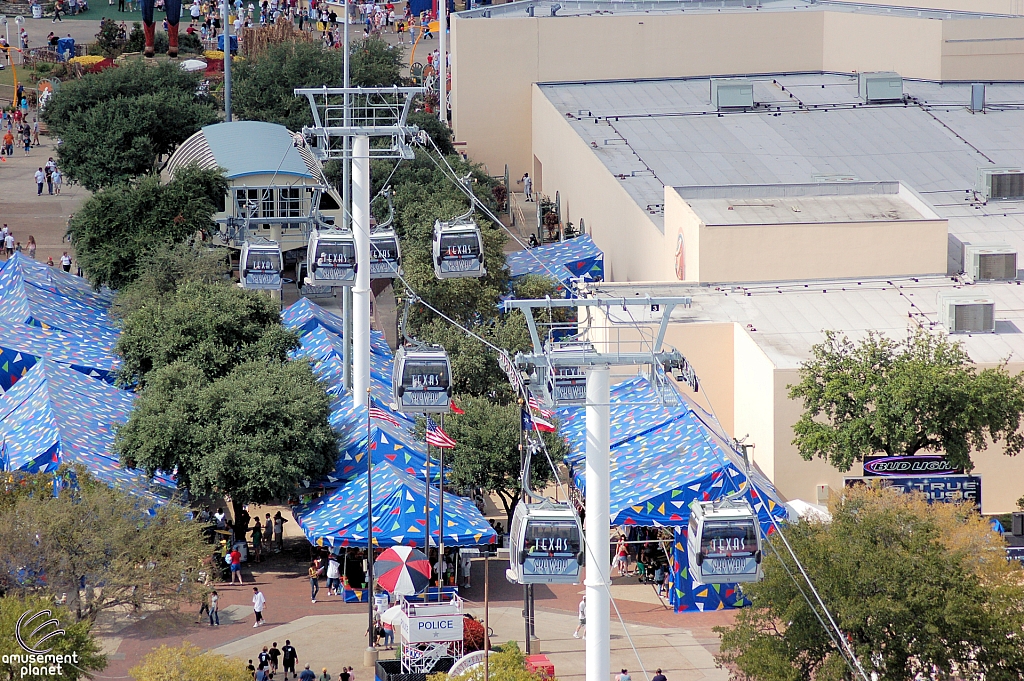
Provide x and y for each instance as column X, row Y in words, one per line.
column 536, row 423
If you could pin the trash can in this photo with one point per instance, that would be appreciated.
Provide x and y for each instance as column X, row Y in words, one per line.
column 37, row 11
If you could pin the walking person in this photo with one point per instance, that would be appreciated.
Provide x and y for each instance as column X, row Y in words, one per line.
column 236, row 566
column 622, row 556
column 623, row 676
column 314, row 580
column 48, row 170
column 279, row 522
column 275, row 655
column 58, row 179
column 205, row 608
column 658, row 676
column 291, row 656
column 214, row 609
column 9, row 245
column 333, row 575
column 35, row 132
column 307, row 675
column 582, row 626
column 40, row 180
column 257, row 540
column 31, row 247
column 259, row 603
column 325, row 676
column 268, row 533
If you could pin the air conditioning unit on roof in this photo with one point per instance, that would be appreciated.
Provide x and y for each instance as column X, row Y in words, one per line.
column 967, row 313
column 880, row 86
column 732, row 93
column 1001, row 183
column 997, row 262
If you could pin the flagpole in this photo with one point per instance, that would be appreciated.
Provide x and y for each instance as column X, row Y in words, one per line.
column 440, row 522
column 371, row 648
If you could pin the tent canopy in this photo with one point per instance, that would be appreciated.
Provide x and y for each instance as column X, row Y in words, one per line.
column 399, row 514
column 305, row 315
column 56, row 415
column 36, row 294
column 564, row 260
column 21, row 346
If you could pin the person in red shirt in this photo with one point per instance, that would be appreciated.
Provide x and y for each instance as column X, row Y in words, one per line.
column 236, row 566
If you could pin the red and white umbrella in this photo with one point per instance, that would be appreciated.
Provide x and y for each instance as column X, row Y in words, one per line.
column 402, row 570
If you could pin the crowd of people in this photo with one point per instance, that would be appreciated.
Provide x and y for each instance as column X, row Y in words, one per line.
column 17, row 128
column 271, row 659
column 640, row 555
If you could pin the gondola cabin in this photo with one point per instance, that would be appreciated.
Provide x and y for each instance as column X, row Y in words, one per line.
column 385, row 254
column 546, row 544
column 724, row 542
column 422, row 380
column 331, row 258
column 260, row 265
column 567, row 384
column 458, row 250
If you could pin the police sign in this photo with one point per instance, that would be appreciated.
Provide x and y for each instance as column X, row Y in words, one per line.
column 432, row 628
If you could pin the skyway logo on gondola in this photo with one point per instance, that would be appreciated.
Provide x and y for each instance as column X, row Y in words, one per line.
column 549, row 566
column 263, row 280
column 383, row 267
column 929, row 464
column 333, row 273
column 425, row 398
column 460, row 264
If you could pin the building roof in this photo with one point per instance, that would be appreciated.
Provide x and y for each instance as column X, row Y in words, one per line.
column 564, row 8
column 786, row 318
column 806, row 128
column 244, row 148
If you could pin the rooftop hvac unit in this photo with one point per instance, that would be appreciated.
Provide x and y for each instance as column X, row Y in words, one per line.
column 990, row 263
column 961, row 313
column 1001, row 183
column 880, row 86
column 732, row 93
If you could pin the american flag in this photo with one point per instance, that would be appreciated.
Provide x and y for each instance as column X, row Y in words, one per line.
column 377, row 413
column 437, row 437
column 536, row 406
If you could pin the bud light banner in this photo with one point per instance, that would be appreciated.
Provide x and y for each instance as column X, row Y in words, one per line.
column 929, row 464
column 935, row 488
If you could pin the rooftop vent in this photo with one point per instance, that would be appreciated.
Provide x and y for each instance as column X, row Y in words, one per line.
column 1001, row 183
column 977, row 97
column 996, row 262
column 961, row 313
column 732, row 93
column 880, row 86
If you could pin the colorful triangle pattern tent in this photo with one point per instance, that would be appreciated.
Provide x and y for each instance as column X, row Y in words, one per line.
column 563, row 260
column 663, row 458
column 305, row 315
column 56, row 415
column 21, row 346
column 36, row 294
column 399, row 518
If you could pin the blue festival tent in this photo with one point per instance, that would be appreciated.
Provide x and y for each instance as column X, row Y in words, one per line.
column 338, row 519
column 305, row 315
column 21, row 346
column 663, row 458
column 38, row 295
column 564, row 260
column 55, row 415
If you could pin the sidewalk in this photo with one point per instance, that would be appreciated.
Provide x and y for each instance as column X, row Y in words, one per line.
column 44, row 217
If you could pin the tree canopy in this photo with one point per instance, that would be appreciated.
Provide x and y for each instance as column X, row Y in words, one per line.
column 263, row 85
column 487, row 451
column 922, row 393
column 188, row 662
column 77, row 639
column 171, row 265
column 121, row 227
column 208, row 327
column 103, row 537
column 254, row 433
column 914, row 587
column 134, row 114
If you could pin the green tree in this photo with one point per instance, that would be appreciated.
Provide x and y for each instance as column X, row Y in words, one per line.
column 254, row 433
column 77, row 641
column 911, row 585
column 120, row 227
column 211, row 328
column 135, row 116
column 188, row 662
column 166, row 268
column 263, row 85
column 487, row 451
column 125, row 552
column 922, row 393
column 438, row 131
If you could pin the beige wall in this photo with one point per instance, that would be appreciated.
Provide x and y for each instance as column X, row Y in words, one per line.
column 634, row 246
column 494, row 61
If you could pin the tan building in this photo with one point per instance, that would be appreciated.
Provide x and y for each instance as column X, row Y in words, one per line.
column 810, row 203
column 499, row 52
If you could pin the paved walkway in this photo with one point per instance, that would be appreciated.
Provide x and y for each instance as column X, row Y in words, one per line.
column 44, row 217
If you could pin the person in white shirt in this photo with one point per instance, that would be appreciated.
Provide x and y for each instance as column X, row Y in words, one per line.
column 259, row 602
column 40, row 181
column 583, row 619
column 9, row 244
